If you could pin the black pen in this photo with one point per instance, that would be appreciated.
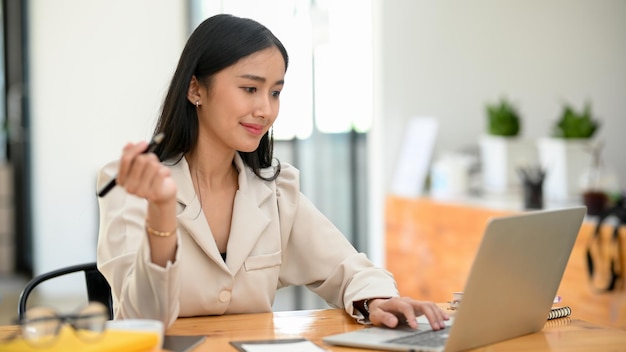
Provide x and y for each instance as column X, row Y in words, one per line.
column 151, row 147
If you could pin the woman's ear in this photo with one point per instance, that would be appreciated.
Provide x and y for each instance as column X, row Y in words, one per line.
column 193, row 92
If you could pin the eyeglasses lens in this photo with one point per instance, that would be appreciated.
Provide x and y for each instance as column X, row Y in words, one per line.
column 90, row 322
column 40, row 326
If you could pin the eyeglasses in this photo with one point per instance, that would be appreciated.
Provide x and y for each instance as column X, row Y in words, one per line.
column 41, row 326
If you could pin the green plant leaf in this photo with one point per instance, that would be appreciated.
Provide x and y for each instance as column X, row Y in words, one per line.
column 575, row 124
column 503, row 119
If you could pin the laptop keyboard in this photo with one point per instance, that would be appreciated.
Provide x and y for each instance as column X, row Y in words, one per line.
column 431, row 338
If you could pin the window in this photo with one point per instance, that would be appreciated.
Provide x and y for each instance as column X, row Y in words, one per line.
column 330, row 68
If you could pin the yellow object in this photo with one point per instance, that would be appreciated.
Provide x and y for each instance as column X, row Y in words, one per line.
column 111, row 340
column 159, row 233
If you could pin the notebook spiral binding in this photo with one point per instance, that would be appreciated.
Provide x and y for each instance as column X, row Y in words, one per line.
column 557, row 322
column 559, row 312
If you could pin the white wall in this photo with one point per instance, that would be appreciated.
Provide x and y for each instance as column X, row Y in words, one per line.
column 98, row 72
column 448, row 58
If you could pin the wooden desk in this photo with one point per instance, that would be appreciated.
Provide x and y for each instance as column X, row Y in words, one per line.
column 430, row 246
column 559, row 335
column 564, row 334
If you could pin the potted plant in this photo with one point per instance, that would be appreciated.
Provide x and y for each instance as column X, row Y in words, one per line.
column 576, row 124
column 503, row 119
column 501, row 148
column 567, row 153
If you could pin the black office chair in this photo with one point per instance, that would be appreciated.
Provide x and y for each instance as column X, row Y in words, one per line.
column 98, row 288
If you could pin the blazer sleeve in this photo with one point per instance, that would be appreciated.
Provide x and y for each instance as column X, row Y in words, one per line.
column 318, row 255
column 140, row 288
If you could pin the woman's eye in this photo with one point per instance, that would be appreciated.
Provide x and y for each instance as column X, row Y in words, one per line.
column 250, row 89
column 276, row 93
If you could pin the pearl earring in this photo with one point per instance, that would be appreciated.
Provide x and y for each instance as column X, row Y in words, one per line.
column 197, row 103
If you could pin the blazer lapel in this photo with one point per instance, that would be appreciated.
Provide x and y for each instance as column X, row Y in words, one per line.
column 249, row 220
column 191, row 216
column 248, row 223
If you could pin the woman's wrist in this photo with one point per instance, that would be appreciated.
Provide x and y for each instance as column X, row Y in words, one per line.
column 161, row 216
column 162, row 208
column 158, row 233
column 161, row 225
column 362, row 307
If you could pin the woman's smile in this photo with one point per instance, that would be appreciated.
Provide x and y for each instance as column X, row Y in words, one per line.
column 253, row 128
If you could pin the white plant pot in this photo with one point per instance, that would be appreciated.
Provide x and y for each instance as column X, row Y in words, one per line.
column 565, row 161
column 450, row 177
column 500, row 158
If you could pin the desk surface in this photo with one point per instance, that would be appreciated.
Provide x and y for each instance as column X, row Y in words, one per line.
column 563, row 334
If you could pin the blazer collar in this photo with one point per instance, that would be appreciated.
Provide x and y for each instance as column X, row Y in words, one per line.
column 248, row 223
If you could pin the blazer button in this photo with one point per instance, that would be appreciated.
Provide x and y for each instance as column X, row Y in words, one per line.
column 224, row 296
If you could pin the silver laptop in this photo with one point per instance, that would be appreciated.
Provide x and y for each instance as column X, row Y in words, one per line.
column 510, row 289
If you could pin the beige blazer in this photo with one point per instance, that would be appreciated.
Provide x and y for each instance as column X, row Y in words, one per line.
column 278, row 238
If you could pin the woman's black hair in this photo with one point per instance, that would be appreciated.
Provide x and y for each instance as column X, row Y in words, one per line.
column 217, row 43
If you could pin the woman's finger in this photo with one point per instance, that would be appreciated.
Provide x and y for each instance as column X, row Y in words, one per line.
column 138, row 173
column 162, row 186
column 397, row 310
column 380, row 317
column 435, row 315
column 129, row 153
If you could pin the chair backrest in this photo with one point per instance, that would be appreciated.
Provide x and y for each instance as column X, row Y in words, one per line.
column 98, row 288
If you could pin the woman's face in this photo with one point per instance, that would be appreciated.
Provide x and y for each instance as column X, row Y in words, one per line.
column 242, row 101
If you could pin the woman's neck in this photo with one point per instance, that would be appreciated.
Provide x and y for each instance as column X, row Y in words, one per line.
column 210, row 172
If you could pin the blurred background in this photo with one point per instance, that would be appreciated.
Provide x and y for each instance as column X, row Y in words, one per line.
column 82, row 78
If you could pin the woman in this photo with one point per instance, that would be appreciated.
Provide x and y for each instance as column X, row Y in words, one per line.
column 219, row 225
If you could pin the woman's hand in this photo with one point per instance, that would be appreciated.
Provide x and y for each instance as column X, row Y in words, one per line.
column 392, row 311
column 144, row 176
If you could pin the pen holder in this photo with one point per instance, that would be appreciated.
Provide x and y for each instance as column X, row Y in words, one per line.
column 533, row 195
column 532, row 184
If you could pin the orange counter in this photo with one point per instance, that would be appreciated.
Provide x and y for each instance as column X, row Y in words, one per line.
column 430, row 246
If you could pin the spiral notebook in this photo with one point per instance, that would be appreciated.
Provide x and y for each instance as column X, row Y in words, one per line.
column 559, row 312
column 509, row 291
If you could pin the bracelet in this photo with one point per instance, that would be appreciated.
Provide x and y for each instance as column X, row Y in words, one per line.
column 366, row 307
column 159, row 233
